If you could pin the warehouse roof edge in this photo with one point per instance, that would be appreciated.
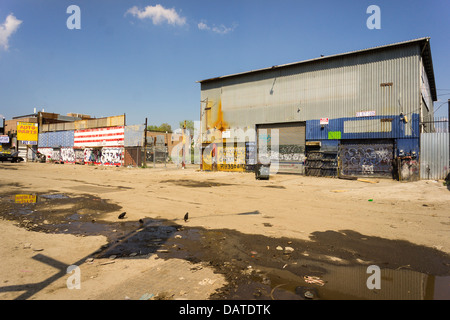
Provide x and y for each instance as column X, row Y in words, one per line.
column 425, row 52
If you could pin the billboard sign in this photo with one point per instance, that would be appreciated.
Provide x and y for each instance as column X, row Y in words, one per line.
column 4, row 139
column 27, row 132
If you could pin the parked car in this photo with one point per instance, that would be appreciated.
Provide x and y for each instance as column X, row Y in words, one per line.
column 13, row 157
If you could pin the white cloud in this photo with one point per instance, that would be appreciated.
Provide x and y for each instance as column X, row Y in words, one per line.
column 7, row 29
column 216, row 29
column 158, row 14
column 203, row 26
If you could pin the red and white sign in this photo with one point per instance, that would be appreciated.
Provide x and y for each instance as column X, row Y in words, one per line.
column 100, row 137
column 323, row 121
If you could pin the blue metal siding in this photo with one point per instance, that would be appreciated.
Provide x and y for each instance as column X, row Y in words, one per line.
column 408, row 146
column 56, row 139
column 398, row 128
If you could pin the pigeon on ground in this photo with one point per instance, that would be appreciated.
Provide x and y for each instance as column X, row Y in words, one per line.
column 141, row 221
column 186, row 216
column 122, row 215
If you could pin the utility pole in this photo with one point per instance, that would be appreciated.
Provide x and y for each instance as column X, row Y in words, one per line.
column 184, row 148
column 145, row 144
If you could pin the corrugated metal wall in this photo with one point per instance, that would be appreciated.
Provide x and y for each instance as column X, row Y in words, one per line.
column 56, row 139
column 386, row 82
column 434, row 155
column 134, row 136
column 85, row 124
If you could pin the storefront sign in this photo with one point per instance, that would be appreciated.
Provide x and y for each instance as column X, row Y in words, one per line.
column 4, row 139
column 324, row 121
column 27, row 132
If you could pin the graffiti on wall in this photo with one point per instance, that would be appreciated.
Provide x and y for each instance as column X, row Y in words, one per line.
column 55, row 155
column 92, row 155
column 285, row 153
column 112, row 156
column 47, row 152
column 67, row 155
column 364, row 159
column 409, row 170
column 105, row 156
column 79, row 155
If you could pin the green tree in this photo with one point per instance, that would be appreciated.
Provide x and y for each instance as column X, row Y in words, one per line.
column 162, row 128
column 189, row 125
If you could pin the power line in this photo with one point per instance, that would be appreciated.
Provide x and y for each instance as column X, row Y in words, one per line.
column 440, row 106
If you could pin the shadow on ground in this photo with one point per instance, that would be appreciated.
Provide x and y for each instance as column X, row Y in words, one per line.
column 330, row 265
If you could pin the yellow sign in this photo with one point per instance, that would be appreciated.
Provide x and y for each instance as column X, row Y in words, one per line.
column 231, row 158
column 27, row 132
column 25, row 198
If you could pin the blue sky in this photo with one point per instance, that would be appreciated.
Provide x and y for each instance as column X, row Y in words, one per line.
column 145, row 63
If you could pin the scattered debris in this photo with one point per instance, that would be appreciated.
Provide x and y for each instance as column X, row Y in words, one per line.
column 347, row 177
column 288, row 250
column 314, row 280
column 309, row 295
column 146, row 296
column 206, row 281
column 368, row 181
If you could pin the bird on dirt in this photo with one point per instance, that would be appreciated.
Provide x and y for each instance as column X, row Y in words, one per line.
column 122, row 215
column 141, row 221
column 186, row 216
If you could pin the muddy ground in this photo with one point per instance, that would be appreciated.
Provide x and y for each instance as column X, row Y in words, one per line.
column 291, row 237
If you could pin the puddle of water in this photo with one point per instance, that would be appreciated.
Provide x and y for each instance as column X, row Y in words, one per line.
column 253, row 265
column 53, row 196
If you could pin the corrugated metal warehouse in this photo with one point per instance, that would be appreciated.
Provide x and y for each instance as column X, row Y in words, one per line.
column 350, row 114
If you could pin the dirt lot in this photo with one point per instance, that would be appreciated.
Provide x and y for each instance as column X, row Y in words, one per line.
column 291, row 237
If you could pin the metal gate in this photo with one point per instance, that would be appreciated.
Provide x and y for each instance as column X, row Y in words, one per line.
column 371, row 158
column 284, row 144
column 434, row 155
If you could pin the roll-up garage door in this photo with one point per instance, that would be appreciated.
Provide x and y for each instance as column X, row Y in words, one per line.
column 284, row 144
column 370, row 158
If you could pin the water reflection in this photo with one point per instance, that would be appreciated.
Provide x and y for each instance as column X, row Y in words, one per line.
column 25, row 198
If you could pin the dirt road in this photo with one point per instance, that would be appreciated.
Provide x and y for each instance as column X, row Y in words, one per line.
column 244, row 238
